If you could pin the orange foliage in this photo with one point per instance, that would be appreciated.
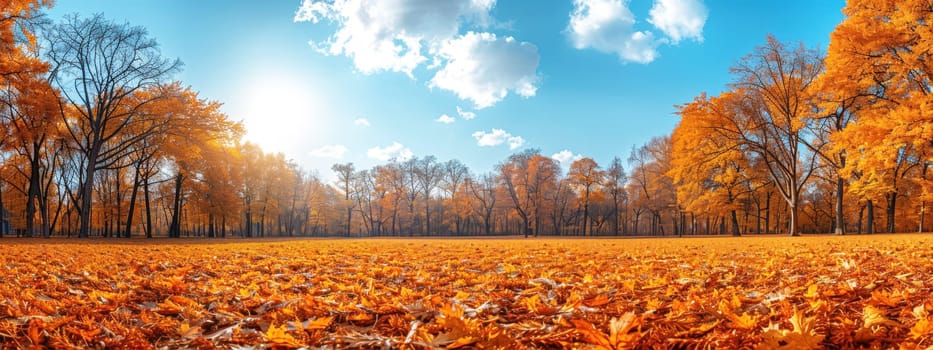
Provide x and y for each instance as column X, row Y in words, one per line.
column 765, row 293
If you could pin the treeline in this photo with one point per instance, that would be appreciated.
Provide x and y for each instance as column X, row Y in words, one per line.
column 97, row 140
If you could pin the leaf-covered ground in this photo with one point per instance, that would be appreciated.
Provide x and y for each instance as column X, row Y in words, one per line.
column 775, row 292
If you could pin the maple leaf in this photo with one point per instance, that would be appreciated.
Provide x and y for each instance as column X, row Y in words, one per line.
column 922, row 328
column 872, row 316
column 803, row 336
column 622, row 333
column 279, row 337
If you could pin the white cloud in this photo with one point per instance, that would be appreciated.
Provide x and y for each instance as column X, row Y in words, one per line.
column 497, row 137
column 516, row 142
column 446, row 119
column 403, row 35
column 361, row 122
column 329, row 151
column 483, row 68
column 390, row 35
column 566, row 157
column 679, row 19
column 609, row 26
column 466, row 115
column 395, row 150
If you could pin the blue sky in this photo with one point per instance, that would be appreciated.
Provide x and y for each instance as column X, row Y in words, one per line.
column 589, row 77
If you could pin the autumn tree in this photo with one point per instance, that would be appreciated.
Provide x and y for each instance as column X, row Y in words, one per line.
column 98, row 64
column 388, row 180
column 774, row 83
column 584, row 173
column 30, row 112
column 17, row 37
column 527, row 177
column 20, row 65
column 188, row 126
column 651, row 189
column 711, row 170
column 878, row 62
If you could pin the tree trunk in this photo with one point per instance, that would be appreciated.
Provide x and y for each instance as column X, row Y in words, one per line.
column 148, row 207
column 586, row 212
column 871, row 217
column 427, row 213
column 487, row 223
column 793, row 210
column 923, row 205
column 87, row 191
column 768, row 212
column 861, row 214
column 32, row 194
column 249, row 221
column 175, row 227
column 892, row 205
column 840, row 219
column 792, row 223
column 3, row 224
column 735, row 223
column 129, row 216
column 526, row 229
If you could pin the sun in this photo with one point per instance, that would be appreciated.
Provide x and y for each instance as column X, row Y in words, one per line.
column 279, row 112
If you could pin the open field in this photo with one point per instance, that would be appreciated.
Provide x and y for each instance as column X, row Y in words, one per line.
column 752, row 292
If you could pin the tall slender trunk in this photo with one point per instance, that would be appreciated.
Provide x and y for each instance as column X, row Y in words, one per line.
column 923, row 205
column 129, row 216
column 148, row 207
column 871, row 217
column 32, row 194
column 427, row 212
column 3, row 223
column 758, row 218
column 840, row 219
column 768, row 212
column 210, row 225
column 586, row 210
column 861, row 214
column 47, row 222
column 87, row 191
column 892, row 205
column 735, row 223
column 248, row 219
column 175, row 227
column 487, row 223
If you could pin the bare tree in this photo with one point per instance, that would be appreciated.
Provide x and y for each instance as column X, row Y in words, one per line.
column 615, row 186
column 770, row 121
column 429, row 173
column 455, row 173
column 345, row 174
column 98, row 65
column 484, row 193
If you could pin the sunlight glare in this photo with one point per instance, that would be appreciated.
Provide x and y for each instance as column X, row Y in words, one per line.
column 280, row 112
